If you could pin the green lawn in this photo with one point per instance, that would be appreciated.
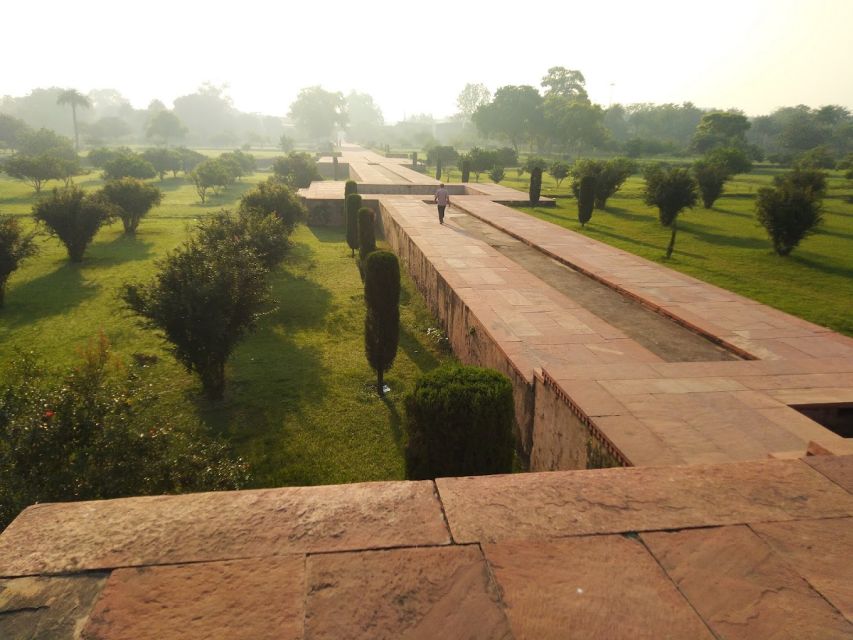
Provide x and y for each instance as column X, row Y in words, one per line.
column 727, row 247
column 298, row 405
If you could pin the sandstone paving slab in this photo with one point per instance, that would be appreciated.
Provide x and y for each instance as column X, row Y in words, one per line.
column 741, row 588
column 56, row 538
column 40, row 608
column 590, row 587
column 432, row 592
column 820, row 551
column 839, row 469
column 542, row 506
column 258, row 599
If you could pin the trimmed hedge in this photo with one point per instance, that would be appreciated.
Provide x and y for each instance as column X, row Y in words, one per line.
column 459, row 422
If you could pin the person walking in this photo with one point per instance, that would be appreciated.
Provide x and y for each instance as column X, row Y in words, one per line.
column 442, row 199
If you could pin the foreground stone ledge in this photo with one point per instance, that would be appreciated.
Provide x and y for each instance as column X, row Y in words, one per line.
column 63, row 538
column 569, row 503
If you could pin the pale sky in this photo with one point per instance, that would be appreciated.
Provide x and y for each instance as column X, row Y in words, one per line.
column 755, row 55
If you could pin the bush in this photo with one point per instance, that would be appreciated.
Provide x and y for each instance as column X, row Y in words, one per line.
column 129, row 165
column 15, row 246
column 808, row 180
column 74, row 216
column 671, row 191
column 35, row 170
column 609, row 176
column 272, row 197
column 711, row 178
column 586, row 199
column 382, row 319
column 366, row 236
column 497, row 174
column 238, row 163
column 820, row 157
column 559, row 170
column 163, row 160
column 465, row 168
column 353, row 204
column 212, row 174
column 265, row 235
column 94, row 432
column 206, row 297
column 733, row 159
column 100, row 156
column 459, row 422
column 297, row 170
column 132, row 199
column 535, row 189
column 350, row 186
column 789, row 211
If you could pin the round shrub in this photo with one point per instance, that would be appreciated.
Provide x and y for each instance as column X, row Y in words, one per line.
column 459, row 422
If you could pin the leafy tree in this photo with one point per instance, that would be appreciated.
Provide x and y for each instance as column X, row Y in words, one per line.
column 45, row 141
column 382, row 320
column 790, row 210
column 129, row 165
column 353, row 205
column 732, row 159
column 264, row 234
column 459, row 422
column 572, row 123
column 36, row 170
column 285, row 143
column 818, row 158
column 100, row 156
column 365, row 119
column 108, row 128
column 506, row 157
column 239, row 163
column 465, row 167
column 205, row 299
column 74, row 99
column 481, row 160
column 441, row 156
column 97, row 431
column 133, row 199
column 711, row 177
column 803, row 179
column 190, row 159
column 318, row 111
column 568, row 83
column 11, row 130
column 297, row 170
column 73, row 216
column 472, row 97
column 165, row 126
column 163, row 160
column 212, row 174
column 559, row 170
column 514, row 114
column 721, row 129
column 497, row 174
column 273, row 197
column 671, row 191
column 586, row 199
column 609, row 176
column 15, row 246
column 535, row 190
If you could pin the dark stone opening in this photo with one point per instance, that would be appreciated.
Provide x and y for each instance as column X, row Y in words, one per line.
column 838, row 418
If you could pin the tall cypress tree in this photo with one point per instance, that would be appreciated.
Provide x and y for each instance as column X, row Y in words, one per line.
column 353, row 204
column 382, row 320
column 535, row 185
column 366, row 237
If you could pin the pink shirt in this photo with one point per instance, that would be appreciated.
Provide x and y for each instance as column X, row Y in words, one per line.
column 442, row 197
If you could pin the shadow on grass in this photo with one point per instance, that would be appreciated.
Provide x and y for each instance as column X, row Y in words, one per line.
column 416, row 352
column 728, row 212
column 329, row 234
column 642, row 243
column 818, row 265
column 125, row 248
column 622, row 214
column 52, row 294
column 699, row 230
column 395, row 421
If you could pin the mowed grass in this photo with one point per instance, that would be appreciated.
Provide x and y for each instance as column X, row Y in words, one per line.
column 726, row 246
column 299, row 404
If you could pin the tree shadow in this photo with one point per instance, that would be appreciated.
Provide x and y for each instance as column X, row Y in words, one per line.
column 124, row 248
column 329, row 234
column 52, row 294
column 700, row 231
column 642, row 243
column 622, row 214
column 728, row 212
column 822, row 231
column 422, row 358
column 836, row 270
column 395, row 421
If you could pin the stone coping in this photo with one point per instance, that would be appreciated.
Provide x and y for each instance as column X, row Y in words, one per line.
column 748, row 550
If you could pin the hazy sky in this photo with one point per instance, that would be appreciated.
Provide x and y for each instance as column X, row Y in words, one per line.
column 752, row 54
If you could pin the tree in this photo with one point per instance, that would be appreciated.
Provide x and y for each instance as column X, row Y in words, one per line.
column 129, row 165
column 586, row 199
column 515, row 114
column 212, row 174
column 353, row 204
column 497, row 174
column 205, row 299
column 818, row 158
column 264, row 234
column 559, row 170
column 459, row 422
column 721, row 129
column 609, row 176
column 74, row 99
column 382, row 320
column 572, row 123
column 732, row 159
column 73, row 216
column 108, row 128
column 318, row 112
column 791, row 209
column 441, row 156
column 15, row 246
column 133, row 199
column 364, row 116
column 297, row 170
column 190, row 159
column 285, row 143
column 471, row 98
column 35, row 170
column 481, row 160
column 711, row 177
column 671, row 191
column 568, row 83
column 163, row 160
column 238, row 163
column 165, row 126
column 273, row 197
column 11, row 130
column 100, row 156
column 366, row 236
column 96, row 431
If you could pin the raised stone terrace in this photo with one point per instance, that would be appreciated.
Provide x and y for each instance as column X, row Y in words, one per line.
column 741, row 550
column 719, row 526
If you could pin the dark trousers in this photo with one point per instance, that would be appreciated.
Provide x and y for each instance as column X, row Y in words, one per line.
column 441, row 209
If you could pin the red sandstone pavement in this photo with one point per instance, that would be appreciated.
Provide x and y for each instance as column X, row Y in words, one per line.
column 745, row 550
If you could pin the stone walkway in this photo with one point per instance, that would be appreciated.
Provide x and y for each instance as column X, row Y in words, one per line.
column 738, row 551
